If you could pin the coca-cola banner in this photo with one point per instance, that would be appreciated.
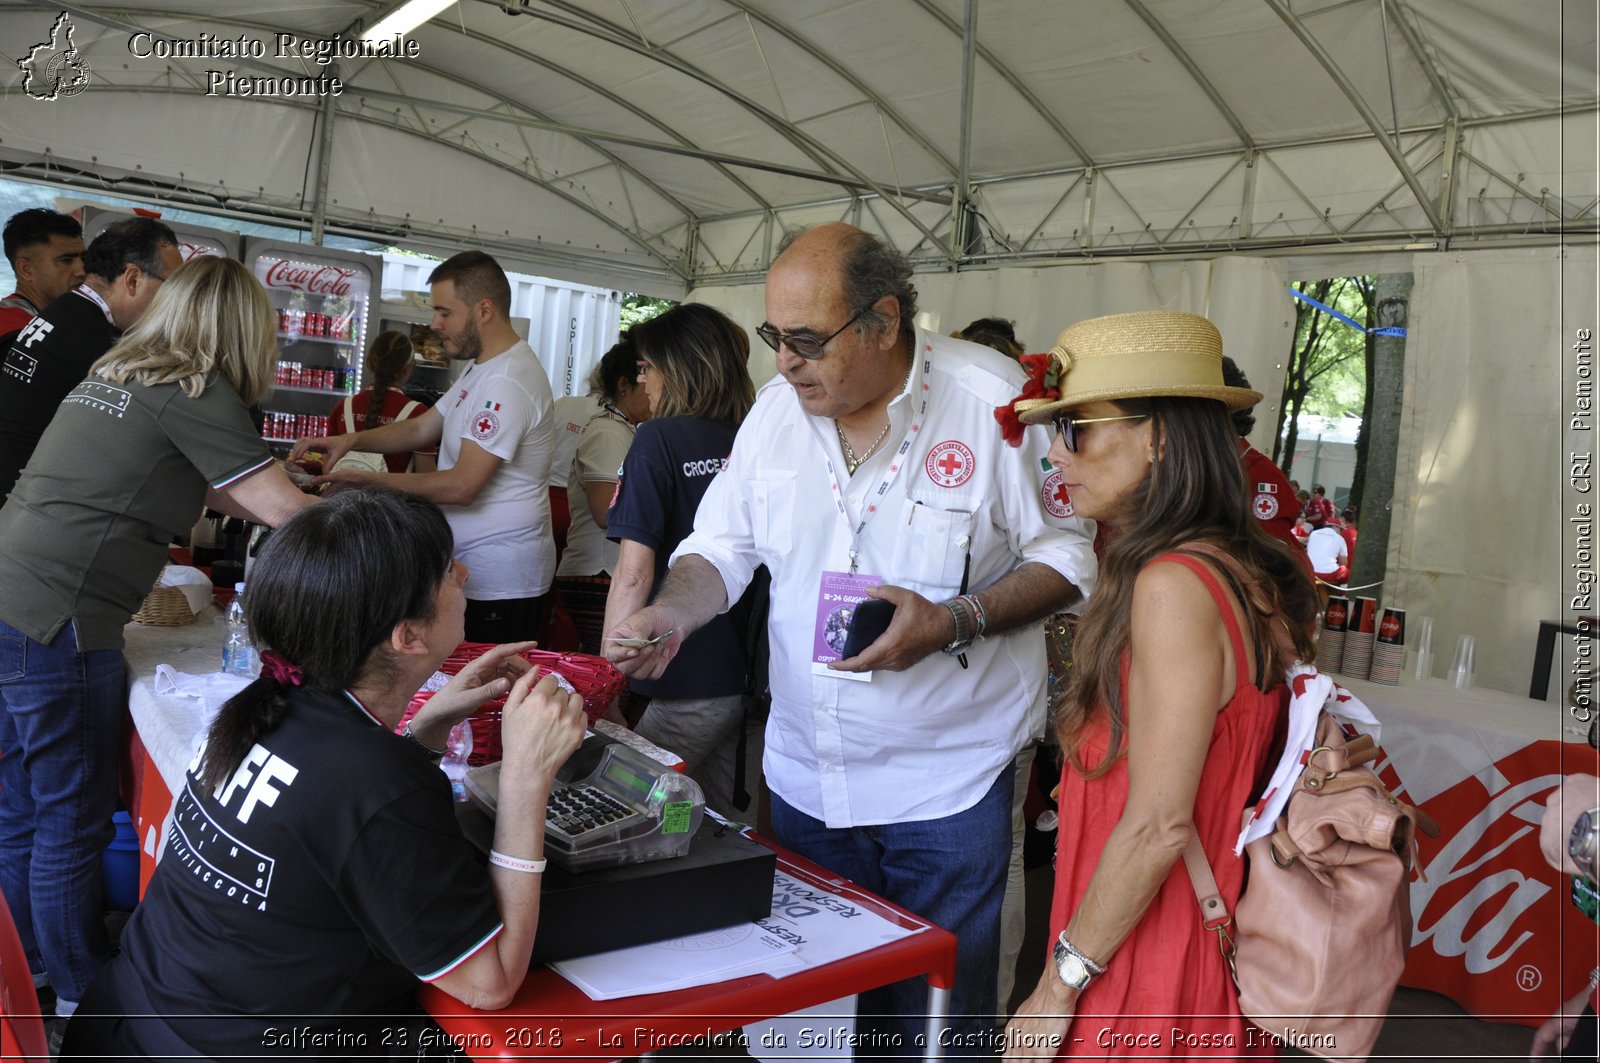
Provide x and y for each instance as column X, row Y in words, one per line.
column 313, row 278
column 1494, row 928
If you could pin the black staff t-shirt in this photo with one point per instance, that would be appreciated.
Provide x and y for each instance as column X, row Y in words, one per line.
column 43, row 361
column 668, row 468
column 315, row 888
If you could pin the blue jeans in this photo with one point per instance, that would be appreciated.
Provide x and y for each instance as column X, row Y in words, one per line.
column 60, row 729
column 951, row 872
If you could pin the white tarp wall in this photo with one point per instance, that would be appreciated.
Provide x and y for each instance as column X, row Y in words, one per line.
column 1480, row 539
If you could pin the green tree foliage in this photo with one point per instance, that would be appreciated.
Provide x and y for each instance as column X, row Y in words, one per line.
column 1328, row 363
column 637, row 308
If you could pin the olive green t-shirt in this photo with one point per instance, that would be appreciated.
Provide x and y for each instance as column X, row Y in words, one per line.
column 120, row 471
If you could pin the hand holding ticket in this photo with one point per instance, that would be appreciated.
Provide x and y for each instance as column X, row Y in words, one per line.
column 639, row 644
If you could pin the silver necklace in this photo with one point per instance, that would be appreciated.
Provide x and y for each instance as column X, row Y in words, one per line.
column 851, row 462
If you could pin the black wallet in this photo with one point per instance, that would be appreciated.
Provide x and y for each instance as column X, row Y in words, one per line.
column 869, row 620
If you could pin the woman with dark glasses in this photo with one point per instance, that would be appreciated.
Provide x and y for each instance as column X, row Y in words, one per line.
column 1176, row 695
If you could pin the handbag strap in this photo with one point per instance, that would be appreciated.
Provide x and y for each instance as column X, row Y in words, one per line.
column 1214, row 915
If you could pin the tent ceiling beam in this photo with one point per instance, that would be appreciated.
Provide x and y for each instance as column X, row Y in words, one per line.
column 1405, row 18
column 1194, row 70
column 824, row 56
column 319, row 200
column 639, row 238
column 278, row 71
column 610, row 96
column 601, row 29
column 1312, row 45
column 445, row 75
column 1017, row 84
column 605, row 136
column 958, row 210
column 418, row 236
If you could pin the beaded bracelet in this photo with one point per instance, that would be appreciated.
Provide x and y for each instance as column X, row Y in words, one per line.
column 513, row 863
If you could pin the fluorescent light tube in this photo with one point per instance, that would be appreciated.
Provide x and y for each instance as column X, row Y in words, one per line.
column 405, row 18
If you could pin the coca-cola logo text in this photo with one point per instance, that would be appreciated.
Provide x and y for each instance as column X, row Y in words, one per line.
column 190, row 250
column 305, row 277
column 1391, row 627
column 1336, row 616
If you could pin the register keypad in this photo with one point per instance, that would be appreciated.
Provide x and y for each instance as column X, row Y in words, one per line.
column 576, row 810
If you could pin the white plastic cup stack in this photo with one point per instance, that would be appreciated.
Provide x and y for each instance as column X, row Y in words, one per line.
column 1464, row 665
column 1422, row 664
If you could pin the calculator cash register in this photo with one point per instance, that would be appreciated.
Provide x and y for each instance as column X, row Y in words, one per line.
column 624, row 808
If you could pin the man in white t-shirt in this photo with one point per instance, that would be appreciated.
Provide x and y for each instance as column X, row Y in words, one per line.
column 1330, row 558
column 495, row 430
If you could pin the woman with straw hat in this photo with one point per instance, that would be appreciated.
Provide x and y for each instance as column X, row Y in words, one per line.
column 1176, row 696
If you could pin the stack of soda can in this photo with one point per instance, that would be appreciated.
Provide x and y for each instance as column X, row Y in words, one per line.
column 1389, row 654
column 1330, row 643
column 1359, row 637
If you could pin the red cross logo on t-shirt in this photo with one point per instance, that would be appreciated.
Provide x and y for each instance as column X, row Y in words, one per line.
column 485, row 425
column 1054, row 495
column 950, row 464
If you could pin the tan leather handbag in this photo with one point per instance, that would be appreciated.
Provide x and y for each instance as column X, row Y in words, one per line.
column 1320, row 936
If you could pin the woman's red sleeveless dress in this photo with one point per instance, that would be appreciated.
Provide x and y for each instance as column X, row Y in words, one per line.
column 1167, row 991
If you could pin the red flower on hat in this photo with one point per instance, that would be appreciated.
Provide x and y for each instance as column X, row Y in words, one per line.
column 1042, row 384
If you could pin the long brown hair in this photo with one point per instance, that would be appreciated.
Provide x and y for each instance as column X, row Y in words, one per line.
column 389, row 357
column 1193, row 495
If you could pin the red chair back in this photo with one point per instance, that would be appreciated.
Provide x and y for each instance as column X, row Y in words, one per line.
column 22, row 1033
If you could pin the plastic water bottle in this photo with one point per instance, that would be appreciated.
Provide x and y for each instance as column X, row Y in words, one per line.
column 457, row 748
column 238, row 653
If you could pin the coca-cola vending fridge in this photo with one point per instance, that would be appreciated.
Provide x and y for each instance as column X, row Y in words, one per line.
column 323, row 299
column 192, row 239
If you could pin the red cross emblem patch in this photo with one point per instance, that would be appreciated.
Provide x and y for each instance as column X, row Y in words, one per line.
column 484, row 425
column 950, row 464
column 1054, row 495
column 1265, row 507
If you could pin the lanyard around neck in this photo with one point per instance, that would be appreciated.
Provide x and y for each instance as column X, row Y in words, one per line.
column 896, row 462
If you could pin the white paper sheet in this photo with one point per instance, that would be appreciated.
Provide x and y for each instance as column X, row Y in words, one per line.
column 677, row 963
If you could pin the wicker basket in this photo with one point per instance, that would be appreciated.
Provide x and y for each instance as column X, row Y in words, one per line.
column 165, row 607
column 595, row 680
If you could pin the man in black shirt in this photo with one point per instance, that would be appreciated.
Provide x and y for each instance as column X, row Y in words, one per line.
column 45, row 249
column 124, row 266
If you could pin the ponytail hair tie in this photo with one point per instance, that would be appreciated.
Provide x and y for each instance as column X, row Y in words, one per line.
column 276, row 667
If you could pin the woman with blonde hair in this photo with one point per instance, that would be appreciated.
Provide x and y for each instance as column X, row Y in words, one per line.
column 1177, row 692
column 157, row 430
column 692, row 364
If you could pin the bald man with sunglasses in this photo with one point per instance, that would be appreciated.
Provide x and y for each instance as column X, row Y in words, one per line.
column 873, row 469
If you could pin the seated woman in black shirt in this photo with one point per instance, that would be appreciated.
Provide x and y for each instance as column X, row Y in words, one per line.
column 314, row 871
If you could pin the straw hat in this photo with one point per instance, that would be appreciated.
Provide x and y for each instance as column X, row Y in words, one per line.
column 1155, row 353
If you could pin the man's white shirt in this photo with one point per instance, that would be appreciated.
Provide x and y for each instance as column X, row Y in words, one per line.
column 926, row 742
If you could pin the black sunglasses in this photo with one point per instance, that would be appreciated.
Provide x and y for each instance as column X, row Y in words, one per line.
column 1067, row 425
column 808, row 347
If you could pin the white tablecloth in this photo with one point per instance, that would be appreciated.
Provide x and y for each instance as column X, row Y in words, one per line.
column 170, row 725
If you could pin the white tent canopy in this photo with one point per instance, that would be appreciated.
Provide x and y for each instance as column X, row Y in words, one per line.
column 663, row 144
column 1043, row 160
